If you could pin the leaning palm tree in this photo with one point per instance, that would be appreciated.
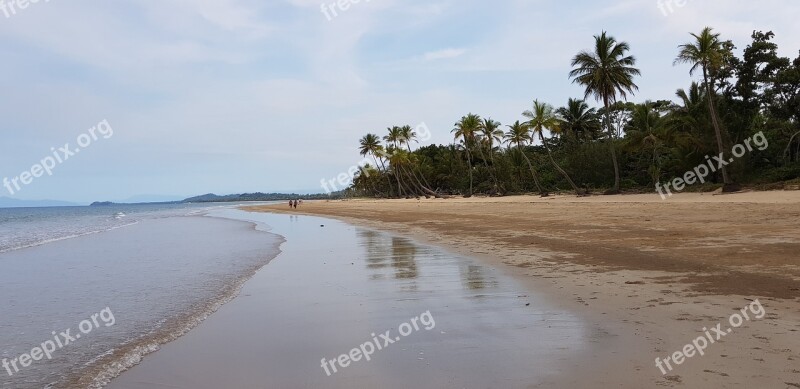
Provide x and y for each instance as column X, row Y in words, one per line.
column 606, row 73
column 542, row 118
column 466, row 128
column 518, row 135
column 706, row 53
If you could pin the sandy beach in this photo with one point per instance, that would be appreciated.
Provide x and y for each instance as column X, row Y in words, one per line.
column 654, row 274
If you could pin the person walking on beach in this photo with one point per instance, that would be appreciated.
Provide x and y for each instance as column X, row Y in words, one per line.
column 291, row 204
column 295, row 204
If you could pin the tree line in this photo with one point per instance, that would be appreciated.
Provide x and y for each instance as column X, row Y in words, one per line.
column 618, row 145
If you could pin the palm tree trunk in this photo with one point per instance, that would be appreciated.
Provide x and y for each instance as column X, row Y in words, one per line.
column 615, row 190
column 428, row 192
column 399, row 184
column 388, row 179
column 469, row 164
column 533, row 172
column 715, row 121
column 491, row 174
column 560, row 170
column 494, row 168
column 417, row 167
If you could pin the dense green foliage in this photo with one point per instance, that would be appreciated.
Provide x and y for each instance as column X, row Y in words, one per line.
column 620, row 145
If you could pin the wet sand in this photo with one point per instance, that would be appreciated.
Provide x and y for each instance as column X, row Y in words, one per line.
column 332, row 287
column 650, row 273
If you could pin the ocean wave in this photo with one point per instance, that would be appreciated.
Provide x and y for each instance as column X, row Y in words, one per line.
column 60, row 238
column 100, row 370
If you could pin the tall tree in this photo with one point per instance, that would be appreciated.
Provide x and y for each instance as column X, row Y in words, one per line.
column 370, row 144
column 394, row 136
column 519, row 135
column 466, row 128
column 606, row 73
column 542, row 118
column 488, row 135
column 706, row 53
column 407, row 135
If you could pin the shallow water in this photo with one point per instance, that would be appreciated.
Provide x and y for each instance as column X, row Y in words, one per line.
column 333, row 286
column 158, row 278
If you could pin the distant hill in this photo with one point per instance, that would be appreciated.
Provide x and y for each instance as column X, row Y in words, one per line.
column 213, row 198
column 150, row 198
column 7, row 202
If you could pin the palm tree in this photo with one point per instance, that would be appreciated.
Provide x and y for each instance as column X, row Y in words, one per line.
column 492, row 134
column 648, row 129
column 370, row 144
column 542, row 118
column 487, row 135
column 394, row 136
column 393, row 155
column 686, row 122
column 490, row 129
column 466, row 128
column 606, row 73
column 518, row 135
column 407, row 135
column 706, row 53
column 581, row 122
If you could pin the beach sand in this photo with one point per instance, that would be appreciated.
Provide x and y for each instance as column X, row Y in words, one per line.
column 652, row 274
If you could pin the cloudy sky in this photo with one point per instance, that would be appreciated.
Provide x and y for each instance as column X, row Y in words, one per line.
column 230, row 96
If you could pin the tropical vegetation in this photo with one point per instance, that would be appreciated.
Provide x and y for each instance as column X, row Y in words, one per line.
column 620, row 145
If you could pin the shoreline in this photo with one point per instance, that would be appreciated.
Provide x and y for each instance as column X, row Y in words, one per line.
column 332, row 286
column 154, row 274
column 105, row 368
column 659, row 283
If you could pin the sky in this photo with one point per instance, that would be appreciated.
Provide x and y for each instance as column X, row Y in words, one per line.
column 186, row 97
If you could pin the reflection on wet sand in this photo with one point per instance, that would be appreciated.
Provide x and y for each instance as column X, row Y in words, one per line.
column 384, row 252
column 473, row 278
column 403, row 256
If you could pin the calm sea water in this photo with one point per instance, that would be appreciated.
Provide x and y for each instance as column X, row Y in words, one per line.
column 25, row 227
column 153, row 271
